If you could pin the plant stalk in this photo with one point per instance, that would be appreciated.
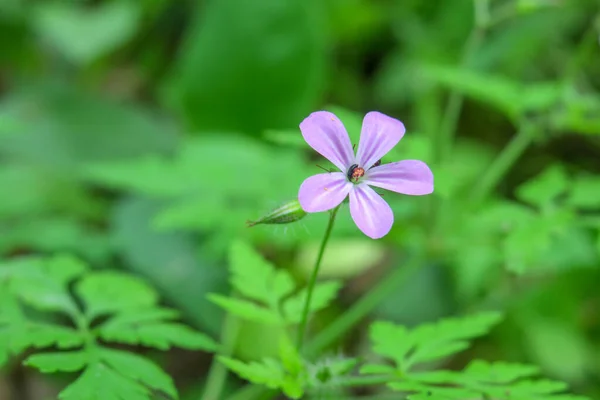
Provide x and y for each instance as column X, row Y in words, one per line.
column 313, row 280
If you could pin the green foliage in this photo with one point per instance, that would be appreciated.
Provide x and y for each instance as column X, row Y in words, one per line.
column 268, row 293
column 125, row 139
column 482, row 380
column 130, row 312
column 509, row 97
column 432, row 342
column 287, row 374
column 284, row 64
column 427, row 343
column 81, row 34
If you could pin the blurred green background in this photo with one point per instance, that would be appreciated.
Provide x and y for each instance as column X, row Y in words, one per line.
column 142, row 134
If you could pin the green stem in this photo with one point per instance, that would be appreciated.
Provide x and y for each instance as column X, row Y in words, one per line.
column 454, row 106
column 217, row 375
column 500, row 166
column 313, row 279
column 368, row 380
column 344, row 323
column 363, row 307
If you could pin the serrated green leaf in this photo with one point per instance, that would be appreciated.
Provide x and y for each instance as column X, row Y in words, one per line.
column 502, row 381
column 430, row 341
column 545, row 187
column 44, row 335
column 267, row 372
column 100, row 382
column 58, row 362
column 139, row 369
column 390, row 340
column 585, row 192
column 64, row 268
column 499, row 372
column 158, row 334
column 43, row 283
column 323, row 294
column 255, row 278
column 246, row 309
column 108, row 291
column 449, row 336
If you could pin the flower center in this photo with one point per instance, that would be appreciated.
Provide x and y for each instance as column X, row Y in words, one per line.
column 355, row 173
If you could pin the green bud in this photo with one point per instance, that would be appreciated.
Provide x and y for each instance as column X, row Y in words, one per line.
column 287, row 213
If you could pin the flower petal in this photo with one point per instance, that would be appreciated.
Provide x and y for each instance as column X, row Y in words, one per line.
column 323, row 192
column 408, row 177
column 370, row 212
column 325, row 133
column 379, row 134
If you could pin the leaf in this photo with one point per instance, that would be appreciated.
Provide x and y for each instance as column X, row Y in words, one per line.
column 45, row 335
column 108, row 374
column 109, row 291
column 544, row 188
column 267, row 372
column 151, row 328
column 584, row 192
column 83, row 34
column 390, row 340
column 501, row 380
column 510, row 97
column 428, row 342
column 323, row 294
column 255, row 278
column 450, row 336
column 272, row 51
column 72, row 128
column 100, row 382
column 58, row 362
column 170, row 260
column 139, row 369
column 480, row 379
column 44, row 284
column 246, row 309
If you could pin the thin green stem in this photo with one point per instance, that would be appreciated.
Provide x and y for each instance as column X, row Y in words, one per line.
column 345, row 322
column 454, row 106
column 500, row 166
column 217, row 375
column 363, row 307
column 368, row 380
column 313, row 279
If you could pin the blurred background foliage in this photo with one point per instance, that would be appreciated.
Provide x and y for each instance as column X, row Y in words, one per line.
column 141, row 135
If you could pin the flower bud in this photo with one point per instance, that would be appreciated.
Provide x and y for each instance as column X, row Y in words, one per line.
column 287, row 213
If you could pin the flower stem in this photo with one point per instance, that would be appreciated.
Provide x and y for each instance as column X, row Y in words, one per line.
column 313, row 279
column 500, row 166
column 364, row 306
column 217, row 374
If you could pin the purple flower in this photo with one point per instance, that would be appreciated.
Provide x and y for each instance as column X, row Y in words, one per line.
column 325, row 133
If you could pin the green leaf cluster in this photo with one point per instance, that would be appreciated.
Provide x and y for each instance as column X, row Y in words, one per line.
column 270, row 296
column 412, row 349
column 102, row 307
column 266, row 294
